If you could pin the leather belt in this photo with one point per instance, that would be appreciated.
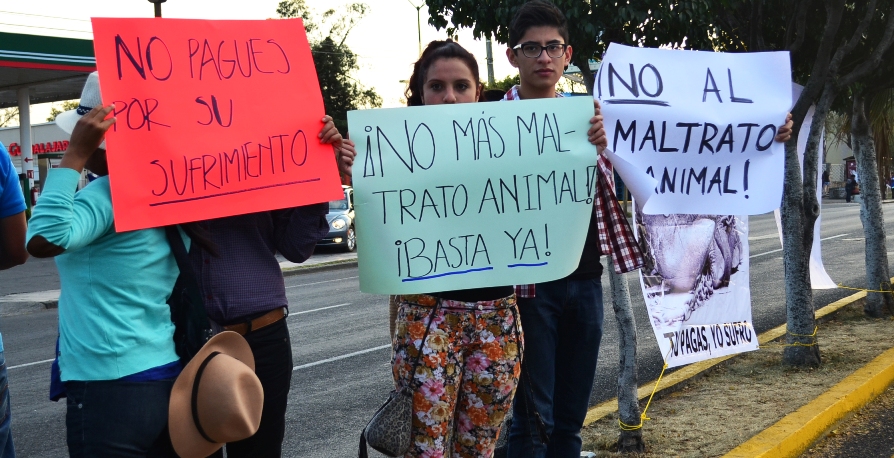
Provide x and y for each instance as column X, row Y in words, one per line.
column 264, row 320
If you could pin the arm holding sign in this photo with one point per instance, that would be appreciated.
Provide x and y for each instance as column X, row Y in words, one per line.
column 785, row 130
column 345, row 157
column 596, row 134
column 297, row 230
column 63, row 220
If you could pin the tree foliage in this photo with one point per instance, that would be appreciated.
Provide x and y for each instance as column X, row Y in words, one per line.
column 592, row 25
column 9, row 116
column 333, row 59
column 504, row 84
column 66, row 105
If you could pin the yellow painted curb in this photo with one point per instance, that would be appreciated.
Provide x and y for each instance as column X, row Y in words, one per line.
column 682, row 375
column 792, row 435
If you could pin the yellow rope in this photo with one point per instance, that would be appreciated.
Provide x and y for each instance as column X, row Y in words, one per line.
column 867, row 290
column 816, row 328
column 643, row 417
column 796, row 344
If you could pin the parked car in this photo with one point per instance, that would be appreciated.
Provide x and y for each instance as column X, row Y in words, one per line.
column 341, row 222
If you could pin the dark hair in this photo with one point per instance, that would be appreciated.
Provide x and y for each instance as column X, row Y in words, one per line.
column 446, row 49
column 537, row 13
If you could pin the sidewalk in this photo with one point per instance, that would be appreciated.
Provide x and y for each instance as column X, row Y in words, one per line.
column 21, row 303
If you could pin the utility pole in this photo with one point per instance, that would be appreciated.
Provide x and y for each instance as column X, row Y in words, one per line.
column 157, row 6
column 490, row 63
column 418, row 24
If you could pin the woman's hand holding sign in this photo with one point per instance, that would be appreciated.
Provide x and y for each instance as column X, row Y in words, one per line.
column 86, row 137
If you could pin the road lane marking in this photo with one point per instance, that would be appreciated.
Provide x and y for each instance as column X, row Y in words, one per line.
column 763, row 237
column 337, row 358
column 321, row 308
column 31, row 364
column 382, row 347
column 319, row 282
column 780, row 249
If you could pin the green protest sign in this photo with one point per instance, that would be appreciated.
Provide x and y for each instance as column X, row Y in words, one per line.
column 471, row 195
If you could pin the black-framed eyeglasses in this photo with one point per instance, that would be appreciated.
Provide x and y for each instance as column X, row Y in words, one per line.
column 534, row 50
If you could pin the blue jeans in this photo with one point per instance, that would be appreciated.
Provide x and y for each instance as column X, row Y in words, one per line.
column 118, row 418
column 563, row 328
column 6, row 448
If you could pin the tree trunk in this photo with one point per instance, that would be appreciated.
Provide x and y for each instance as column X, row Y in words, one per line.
column 877, row 278
column 800, row 210
column 583, row 63
column 628, row 402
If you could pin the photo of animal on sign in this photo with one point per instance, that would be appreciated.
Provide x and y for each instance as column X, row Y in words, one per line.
column 699, row 123
column 213, row 119
column 696, row 285
column 472, row 195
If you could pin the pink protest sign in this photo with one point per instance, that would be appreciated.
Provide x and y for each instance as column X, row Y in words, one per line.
column 214, row 118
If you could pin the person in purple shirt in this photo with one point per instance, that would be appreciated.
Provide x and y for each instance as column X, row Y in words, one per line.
column 244, row 291
column 12, row 253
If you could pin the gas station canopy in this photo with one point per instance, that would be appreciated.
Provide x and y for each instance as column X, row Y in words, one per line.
column 52, row 68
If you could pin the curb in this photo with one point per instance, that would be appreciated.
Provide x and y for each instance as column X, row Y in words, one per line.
column 22, row 308
column 676, row 380
column 797, row 431
column 321, row 267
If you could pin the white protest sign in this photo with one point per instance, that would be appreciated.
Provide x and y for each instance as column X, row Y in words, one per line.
column 472, row 195
column 696, row 285
column 700, row 123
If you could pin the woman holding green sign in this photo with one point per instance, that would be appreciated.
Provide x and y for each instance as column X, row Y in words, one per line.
column 459, row 351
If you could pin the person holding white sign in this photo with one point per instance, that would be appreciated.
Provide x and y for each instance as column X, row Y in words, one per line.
column 563, row 317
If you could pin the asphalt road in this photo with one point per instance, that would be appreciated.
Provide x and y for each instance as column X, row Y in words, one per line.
column 341, row 344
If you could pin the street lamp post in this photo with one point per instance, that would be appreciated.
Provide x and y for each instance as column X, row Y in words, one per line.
column 418, row 24
column 157, row 6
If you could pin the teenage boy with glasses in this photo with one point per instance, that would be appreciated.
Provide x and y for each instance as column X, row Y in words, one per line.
column 562, row 319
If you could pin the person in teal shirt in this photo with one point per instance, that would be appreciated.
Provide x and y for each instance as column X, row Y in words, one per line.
column 117, row 356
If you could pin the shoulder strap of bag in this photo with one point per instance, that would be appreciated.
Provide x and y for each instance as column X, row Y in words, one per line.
column 362, row 452
column 182, row 257
column 187, row 275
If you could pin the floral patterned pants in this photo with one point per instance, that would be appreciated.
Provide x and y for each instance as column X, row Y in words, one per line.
column 467, row 375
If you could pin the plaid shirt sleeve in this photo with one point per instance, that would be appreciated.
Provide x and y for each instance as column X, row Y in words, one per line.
column 615, row 234
column 524, row 291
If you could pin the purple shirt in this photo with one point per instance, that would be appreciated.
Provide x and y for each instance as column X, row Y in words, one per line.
column 246, row 279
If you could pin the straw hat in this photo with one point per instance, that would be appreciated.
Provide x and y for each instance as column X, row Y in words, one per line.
column 216, row 399
column 90, row 99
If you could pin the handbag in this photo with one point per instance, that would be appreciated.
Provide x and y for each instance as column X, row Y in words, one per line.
column 192, row 328
column 390, row 429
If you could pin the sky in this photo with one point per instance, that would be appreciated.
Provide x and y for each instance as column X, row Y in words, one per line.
column 385, row 40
